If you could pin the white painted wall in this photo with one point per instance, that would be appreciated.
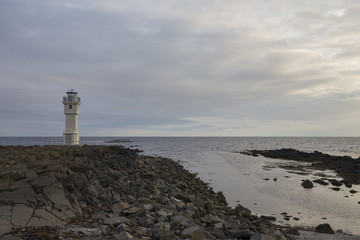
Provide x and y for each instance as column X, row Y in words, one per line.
column 71, row 111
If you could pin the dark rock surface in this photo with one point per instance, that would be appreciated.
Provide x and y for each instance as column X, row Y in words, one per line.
column 324, row 228
column 321, row 182
column 346, row 167
column 110, row 192
column 307, row 184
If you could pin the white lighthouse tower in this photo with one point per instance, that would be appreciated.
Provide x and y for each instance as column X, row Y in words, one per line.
column 71, row 109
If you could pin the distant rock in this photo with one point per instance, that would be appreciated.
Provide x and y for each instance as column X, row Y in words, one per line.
column 119, row 141
column 307, row 184
column 291, row 231
column 321, row 182
column 324, row 228
column 268, row 218
column 335, row 182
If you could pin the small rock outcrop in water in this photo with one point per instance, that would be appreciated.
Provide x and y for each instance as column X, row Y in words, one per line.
column 110, row 192
column 324, row 228
column 307, row 184
column 321, row 182
column 119, row 141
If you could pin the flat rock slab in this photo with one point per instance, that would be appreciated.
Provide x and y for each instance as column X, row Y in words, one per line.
column 21, row 196
column 5, row 212
column 55, row 193
column 42, row 217
column 43, row 181
column 116, row 220
column 21, row 214
column 5, row 226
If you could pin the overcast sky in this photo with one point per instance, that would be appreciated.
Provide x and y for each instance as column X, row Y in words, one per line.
column 181, row 67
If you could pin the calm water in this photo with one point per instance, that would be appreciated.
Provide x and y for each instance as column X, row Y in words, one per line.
column 241, row 177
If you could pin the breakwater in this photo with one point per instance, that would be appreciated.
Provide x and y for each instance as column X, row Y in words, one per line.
column 111, row 192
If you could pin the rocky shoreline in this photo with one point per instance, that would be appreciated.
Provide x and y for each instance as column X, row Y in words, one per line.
column 346, row 167
column 111, row 192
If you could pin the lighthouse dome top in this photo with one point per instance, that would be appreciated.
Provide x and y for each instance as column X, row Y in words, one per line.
column 71, row 97
column 71, row 92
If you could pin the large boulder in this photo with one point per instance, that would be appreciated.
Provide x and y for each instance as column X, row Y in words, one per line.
column 162, row 234
column 221, row 198
column 194, row 233
column 324, row 228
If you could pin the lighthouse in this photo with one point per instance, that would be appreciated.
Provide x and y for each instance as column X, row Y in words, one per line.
column 71, row 110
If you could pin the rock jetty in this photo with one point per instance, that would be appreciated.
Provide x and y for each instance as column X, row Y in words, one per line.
column 111, row 192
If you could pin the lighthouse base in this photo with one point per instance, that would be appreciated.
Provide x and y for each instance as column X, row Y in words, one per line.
column 71, row 138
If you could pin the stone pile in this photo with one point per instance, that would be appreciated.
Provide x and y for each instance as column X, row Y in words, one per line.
column 109, row 192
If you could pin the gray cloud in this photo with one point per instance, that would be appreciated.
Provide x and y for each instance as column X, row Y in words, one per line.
column 180, row 67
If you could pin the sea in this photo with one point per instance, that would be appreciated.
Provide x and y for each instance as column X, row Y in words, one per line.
column 258, row 183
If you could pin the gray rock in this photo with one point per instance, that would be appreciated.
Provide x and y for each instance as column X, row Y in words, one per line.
column 55, row 193
column 43, row 218
column 123, row 236
column 291, row 231
column 335, row 182
column 148, row 207
column 324, row 228
column 116, row 220
column 221, row 198
column 321, row 182
column 119, row 207
column 307, row 184
column 5, row 226
column 146, row 221
column 132, row 210
column 43, row 181
column 159, row 183
column 19, row 196
column 162, row 225
column 199, row 203
column 238, row 233
column 262, row 236
column 75, row 204
column 162, row 234
column 91, row 190
column 268, row 218
column 21, row 214
column 10, row 237
column 167, row 212
column 219, row 225
column 181, row 221
column 194, row 233
column 182, row 197
column 86, row 231
column 217, row 233
column 5, row 212
column 4, row 186
column 242, row 211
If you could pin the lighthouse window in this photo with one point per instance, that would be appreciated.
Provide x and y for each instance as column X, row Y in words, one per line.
column 70, row 106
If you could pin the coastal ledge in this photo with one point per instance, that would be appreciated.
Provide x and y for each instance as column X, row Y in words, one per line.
column 111, row 192
column 346, row 167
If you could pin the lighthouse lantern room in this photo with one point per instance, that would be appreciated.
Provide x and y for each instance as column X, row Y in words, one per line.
column 71, row 109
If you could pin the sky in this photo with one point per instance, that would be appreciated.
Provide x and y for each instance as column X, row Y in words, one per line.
column 181, row 67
